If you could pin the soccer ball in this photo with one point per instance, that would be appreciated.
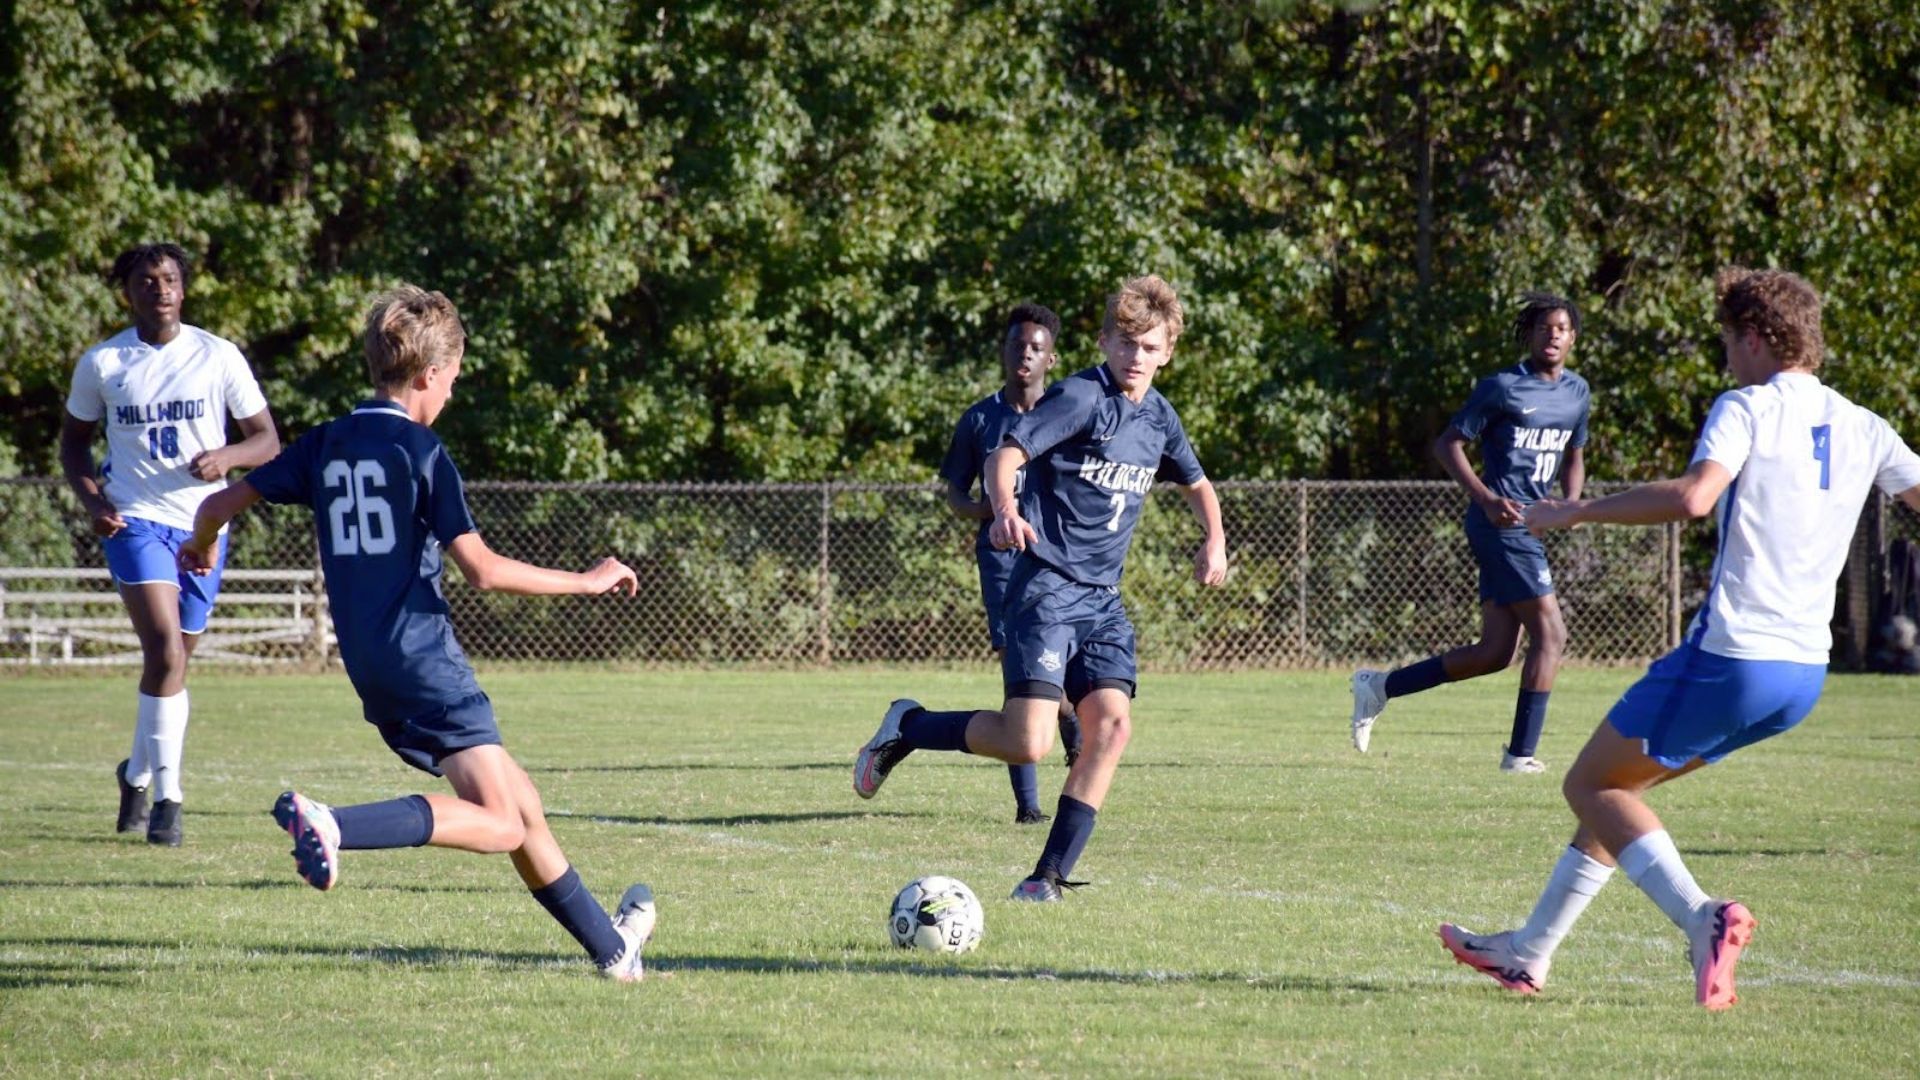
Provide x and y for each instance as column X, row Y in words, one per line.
column 937, row 914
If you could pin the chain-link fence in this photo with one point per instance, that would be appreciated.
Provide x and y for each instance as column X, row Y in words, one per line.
column 810, row 574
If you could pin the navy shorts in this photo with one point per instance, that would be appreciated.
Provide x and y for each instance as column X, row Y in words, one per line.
column 147, row 552
column 996, row 569
column 425, row 740
column 1696, row 704
column 1063, row 636
column 1513, row 562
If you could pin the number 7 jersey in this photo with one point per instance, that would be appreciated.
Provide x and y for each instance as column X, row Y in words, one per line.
column 386, row 497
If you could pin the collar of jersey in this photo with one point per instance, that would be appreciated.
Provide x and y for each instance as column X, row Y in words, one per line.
column 372, row 405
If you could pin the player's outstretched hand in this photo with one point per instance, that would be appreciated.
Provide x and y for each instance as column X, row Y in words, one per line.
column 1210, row 564
column 1551, row 514
column 195, row 560
column 211, row 465
column 1010, row 530
column 610, row 575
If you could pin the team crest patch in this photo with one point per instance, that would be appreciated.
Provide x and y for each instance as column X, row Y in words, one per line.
column 1050, row 659
column 1546, row 576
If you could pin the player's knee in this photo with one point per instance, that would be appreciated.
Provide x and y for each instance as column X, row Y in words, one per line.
column 506, row 832
column 1106, row 733
column 166, row 656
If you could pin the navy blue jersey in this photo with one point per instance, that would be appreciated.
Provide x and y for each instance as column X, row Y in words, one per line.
column 386, row 497
column 982, row 428
column 1093, row 457
column 1525, row 425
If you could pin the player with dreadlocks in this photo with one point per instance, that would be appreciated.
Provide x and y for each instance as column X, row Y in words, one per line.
column 1531, row 422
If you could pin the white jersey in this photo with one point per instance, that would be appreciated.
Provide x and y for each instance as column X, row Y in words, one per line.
column 1802, row 458
column 162, row 407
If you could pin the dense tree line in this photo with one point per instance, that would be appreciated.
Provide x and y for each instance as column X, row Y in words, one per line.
column 731, row 240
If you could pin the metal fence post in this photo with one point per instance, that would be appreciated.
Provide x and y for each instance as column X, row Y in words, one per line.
column 1673, row 585
column 1300, row 558
column 322, row 614
column 825, row 654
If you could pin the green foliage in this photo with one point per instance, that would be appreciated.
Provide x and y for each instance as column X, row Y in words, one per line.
column 724, row 241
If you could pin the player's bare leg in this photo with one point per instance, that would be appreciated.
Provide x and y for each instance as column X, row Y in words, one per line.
column 1106, row 726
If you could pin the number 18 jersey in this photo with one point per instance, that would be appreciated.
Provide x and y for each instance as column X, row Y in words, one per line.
column 386, row 498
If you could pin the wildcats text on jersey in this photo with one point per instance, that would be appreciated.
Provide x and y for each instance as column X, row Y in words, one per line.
column 1117, row 475
column 1555, row 439
column 160, row 412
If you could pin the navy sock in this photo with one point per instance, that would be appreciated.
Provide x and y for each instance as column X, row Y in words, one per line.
column 1072, row 826
column 573, row 907
column 1529, row 716
column 924, row 729
column 1070, row 734
column 1414, row 678
column 1026, row 786
column 395, row 823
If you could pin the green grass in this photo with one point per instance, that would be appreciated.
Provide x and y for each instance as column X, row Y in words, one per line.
column 1263, row 898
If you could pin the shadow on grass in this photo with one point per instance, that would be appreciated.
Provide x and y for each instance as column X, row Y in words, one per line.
column 695, row 766
column 55, row 972
column 253, row 885
column 737, row 819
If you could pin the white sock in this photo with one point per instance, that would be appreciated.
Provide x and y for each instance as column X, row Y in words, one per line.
column 165, row 745
column 1653, row 863
column 140, row 758
column 1575, row 881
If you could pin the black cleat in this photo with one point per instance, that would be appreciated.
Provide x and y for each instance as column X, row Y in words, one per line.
column 133, row 802
column 164, row 826
column 1032, row 815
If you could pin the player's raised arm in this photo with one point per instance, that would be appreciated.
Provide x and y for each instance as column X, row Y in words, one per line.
column 491, row 571
column 1682, row 498
column 1010, row 530
column 259, row 444
column 1210, row 562
column 196, row 552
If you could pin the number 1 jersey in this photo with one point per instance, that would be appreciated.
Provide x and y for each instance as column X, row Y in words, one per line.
column 386, row 497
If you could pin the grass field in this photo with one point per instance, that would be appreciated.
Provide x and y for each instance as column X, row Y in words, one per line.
column 1263, row 898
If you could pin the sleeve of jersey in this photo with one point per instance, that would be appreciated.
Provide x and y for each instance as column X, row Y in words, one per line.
column 957, row 467
column 84, row 398
column 1727, row 437
column 1178, row 462
column 243, row 395
column 1063, row 413
column 1580, row 429
column 1472, row 418
column 288, row 478
column 447, row 512
column 1899, row 465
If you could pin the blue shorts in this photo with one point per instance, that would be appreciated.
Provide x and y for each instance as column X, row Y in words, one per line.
column 996, row 569
column 1696, row 704
column 425, row 740
column 1513, row 562
column 1064, row 636
column 146, row 552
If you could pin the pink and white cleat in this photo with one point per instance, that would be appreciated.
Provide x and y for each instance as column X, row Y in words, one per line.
column 1723, row 930
column 1492, row 955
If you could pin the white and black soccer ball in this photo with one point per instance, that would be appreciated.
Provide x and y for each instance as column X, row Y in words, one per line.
column 937, row 914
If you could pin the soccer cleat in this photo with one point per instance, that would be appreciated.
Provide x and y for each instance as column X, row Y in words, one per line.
column 883, row 751
column 163, row 824
column 316, row 838
column 1525, row 763
column 1043, row 890
column 133, row 802
column 1369, row 700
column 1492, row 955
column 633, row 921
column 1722, row 930
column 1032, row 815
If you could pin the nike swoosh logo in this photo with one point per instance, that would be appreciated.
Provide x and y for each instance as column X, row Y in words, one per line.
column 1530, row 412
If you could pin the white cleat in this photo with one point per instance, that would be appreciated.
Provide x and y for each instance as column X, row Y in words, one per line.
column 1369, row 700
column 634, row 923
column 1492, row 955
column 1526, row 764
column 882, row 752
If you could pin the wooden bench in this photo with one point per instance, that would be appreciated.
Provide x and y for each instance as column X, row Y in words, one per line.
column 60, row 607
